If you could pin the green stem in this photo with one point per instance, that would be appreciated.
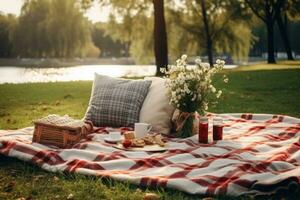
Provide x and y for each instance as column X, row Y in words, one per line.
column 187, row 129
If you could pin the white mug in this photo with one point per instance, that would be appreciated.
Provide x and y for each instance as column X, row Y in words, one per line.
column 141, row 129
column 115, row 135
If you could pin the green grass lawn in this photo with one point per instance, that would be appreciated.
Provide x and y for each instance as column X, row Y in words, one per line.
column 285, row 64
column 263, row 91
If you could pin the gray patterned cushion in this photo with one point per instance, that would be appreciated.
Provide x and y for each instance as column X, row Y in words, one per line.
column 116, row 102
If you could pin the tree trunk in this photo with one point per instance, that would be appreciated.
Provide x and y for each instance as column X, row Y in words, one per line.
column 160, row 37
column 270, row 32
column 271, row 53
column 209, row 41
column 283, row 33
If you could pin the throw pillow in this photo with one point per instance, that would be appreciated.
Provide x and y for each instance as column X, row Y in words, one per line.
column 116, row 102
column 156, row 109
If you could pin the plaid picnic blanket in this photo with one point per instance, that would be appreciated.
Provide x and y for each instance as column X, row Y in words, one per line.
column 259, row 153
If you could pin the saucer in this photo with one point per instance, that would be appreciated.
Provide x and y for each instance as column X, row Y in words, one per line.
column 111, row 140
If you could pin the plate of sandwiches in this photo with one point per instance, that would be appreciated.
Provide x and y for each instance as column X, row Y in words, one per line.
column 150, row 143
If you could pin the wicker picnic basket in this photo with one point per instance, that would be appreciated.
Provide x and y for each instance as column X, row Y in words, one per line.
column 60, row 131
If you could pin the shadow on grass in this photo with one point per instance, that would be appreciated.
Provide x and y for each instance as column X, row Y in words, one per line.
column 21, row 179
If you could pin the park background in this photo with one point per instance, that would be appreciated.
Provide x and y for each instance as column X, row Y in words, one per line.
column 54, row 40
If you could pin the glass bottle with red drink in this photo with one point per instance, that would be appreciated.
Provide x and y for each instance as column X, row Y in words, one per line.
column 217, row 129
column 203, row 130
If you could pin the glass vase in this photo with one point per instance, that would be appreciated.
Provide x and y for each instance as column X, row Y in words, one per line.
column 187, row 129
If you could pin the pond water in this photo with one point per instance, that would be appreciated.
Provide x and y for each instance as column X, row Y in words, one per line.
column 83, row 72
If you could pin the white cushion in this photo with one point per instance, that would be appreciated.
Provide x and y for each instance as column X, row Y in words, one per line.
column 156, row 109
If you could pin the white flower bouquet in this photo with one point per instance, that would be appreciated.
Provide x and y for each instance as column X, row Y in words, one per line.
column 190, row 89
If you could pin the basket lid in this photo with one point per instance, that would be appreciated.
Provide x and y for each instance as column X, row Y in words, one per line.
column 63, row 121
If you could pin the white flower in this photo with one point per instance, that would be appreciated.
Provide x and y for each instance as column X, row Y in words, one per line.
column 199, row 96
column 198, row 61
column 189, row 84
column 194, row 97
column 184, row 57
column 212, row 88
column 205, row 106
column 219, row 94
column 226, row 80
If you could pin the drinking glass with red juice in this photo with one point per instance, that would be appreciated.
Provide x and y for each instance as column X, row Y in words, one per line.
column 203, row 130
column 217, row 129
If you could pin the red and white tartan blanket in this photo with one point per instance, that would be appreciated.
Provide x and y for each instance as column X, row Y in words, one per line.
column 258, row 154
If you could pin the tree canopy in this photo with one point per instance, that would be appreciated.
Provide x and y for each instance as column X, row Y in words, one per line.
column 51, row 28
column 132, row 22
column 7, row 25
column 55, row 28
column 228, row 24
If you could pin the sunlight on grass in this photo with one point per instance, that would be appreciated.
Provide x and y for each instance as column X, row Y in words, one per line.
column 263, row 91
column 19, row 179
column 265, row 66
column 252, row 91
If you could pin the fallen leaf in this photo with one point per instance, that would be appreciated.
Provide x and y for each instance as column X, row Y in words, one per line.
column 44, row 108
column 36, row 178
column 70, row 196
column 151, row 196
column 57, row 103
column 68, row 96
column 55, row 178
column 9, row 187
column 138, row 190
column 29, row 198
column 208, row 198
column 13, row 172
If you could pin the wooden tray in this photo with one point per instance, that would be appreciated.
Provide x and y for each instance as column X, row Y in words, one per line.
column 147, row 148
